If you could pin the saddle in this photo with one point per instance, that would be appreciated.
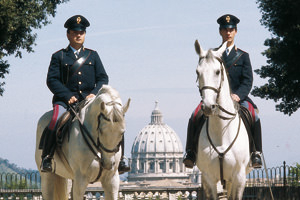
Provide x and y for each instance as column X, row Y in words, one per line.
column 62, row 129
column 249, row 124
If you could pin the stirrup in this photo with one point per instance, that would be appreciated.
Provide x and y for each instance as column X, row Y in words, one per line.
column 122, row 168
column 256, row 160
column 189, row 159
column 46, row 165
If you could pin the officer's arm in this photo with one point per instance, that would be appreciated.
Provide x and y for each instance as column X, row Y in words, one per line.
column 246, row 80
column 100, row 74
column 54, row 82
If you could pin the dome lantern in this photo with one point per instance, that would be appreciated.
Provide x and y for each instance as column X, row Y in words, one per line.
column 156, row 117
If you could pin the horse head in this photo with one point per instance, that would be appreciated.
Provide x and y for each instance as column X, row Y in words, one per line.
column 210, row 76
column 111, row 124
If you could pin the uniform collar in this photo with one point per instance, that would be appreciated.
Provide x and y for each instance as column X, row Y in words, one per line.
column 74, row 50
column 230, row 48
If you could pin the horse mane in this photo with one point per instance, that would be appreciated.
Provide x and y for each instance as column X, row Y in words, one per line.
column 210, row 56
column 116, row 113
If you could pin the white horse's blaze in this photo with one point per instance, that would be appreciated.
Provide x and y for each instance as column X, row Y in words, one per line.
column 107, row 109
column 222, row 128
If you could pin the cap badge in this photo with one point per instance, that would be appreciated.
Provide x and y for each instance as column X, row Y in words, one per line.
column 227, row 19
column 78, row 20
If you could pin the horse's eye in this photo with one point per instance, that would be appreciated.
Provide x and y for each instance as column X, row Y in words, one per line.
column 218, row 72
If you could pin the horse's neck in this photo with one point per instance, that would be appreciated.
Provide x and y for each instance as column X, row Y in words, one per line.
column 225, row 99
column 88, row 117
column 219, row 127
column 222, row 131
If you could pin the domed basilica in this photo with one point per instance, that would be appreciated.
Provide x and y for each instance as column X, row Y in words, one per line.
column 157, row 153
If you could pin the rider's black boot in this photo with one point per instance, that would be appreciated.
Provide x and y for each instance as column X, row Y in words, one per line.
column 256, row 159
column 49, row 143
column 193, row 132
column 256, row 156
column 189, row 158
column 123, row 167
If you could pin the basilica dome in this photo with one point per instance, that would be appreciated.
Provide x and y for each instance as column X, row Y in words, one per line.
column 157, row 152
column 157, row 137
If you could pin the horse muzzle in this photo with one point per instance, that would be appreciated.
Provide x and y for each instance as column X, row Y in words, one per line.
column 209, row 109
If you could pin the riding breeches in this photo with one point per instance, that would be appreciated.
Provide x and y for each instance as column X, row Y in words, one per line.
column 58, row 110
column 250, row 107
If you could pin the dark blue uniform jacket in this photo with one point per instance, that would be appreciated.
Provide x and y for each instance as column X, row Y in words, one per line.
column 239, row 68
column 88, row 79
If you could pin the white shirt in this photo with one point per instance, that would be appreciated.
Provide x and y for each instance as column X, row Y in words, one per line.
column 75, row 51
column 229, row 49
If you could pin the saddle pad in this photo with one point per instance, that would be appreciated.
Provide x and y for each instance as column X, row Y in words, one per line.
column 62, row 129
column 249, row 123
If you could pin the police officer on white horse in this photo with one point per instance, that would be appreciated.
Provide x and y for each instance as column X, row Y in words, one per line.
column 75, row 74
column 238, row 67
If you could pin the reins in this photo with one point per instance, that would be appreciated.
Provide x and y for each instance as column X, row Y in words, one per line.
column 218, row 92
column 94, row 148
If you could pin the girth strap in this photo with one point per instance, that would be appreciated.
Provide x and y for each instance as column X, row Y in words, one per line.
column 222, row 155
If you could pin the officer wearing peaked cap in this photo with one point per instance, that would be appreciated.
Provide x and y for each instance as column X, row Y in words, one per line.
column 72, row 81
column 77, row 23
column 228, row 21
column 238, row 66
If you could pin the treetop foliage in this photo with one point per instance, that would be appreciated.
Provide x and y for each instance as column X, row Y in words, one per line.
column 282, row 18
column 18, row 19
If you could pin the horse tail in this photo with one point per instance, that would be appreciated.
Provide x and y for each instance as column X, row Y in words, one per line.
column 61, row 188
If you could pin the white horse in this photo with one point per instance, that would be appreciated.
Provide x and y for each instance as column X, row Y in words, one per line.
column 223, row 148
column 92, row 161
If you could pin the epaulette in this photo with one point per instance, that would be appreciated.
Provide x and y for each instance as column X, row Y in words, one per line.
column 88, row 49
column 238, row 49
column 59, row 50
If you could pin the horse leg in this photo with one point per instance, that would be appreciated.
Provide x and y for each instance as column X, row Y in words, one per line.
column 54, row 187
column 229, row 189
column 238, row 185
column 61, row 188
column 221, row 192
column 209, row 189
column 79, row 186
column 110, row 186
column 48, row 191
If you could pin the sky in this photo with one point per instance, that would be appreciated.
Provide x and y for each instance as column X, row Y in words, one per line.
column 147, row 49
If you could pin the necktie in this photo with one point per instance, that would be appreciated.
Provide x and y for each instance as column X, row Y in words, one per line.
column 227, row 51
column 76, row 54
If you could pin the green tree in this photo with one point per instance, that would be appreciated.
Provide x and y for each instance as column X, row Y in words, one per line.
column 294, row 175
column 282, row 18
column 18, row 19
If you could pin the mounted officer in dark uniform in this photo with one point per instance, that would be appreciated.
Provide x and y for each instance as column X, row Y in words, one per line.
column 75, row 74
column 238, row 67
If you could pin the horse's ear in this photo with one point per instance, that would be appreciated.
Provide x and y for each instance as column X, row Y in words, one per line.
column 198, row 49
column 221, row 50
column 102, row 106
column 126, row 106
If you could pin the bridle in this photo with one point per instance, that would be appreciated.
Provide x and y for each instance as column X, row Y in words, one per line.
column 217, row 90
column 102, row 116
column 99, row 147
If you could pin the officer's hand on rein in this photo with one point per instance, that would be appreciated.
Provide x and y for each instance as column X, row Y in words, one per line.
column 72, row 100
column 90, row 96
column 235, row 97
